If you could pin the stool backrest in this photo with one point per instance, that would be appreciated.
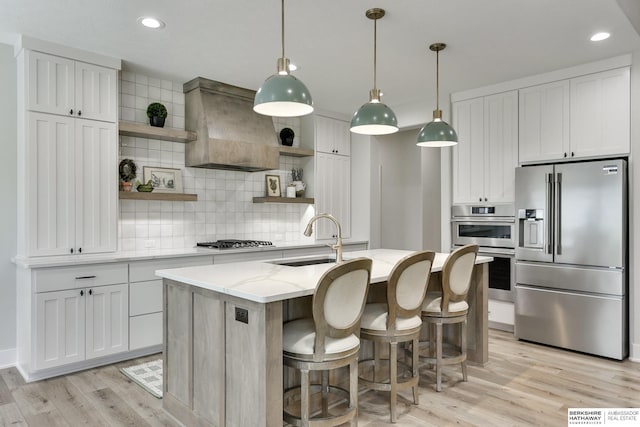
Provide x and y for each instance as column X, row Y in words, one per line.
column 407, row 286
column 339, row 300
column 456, row 275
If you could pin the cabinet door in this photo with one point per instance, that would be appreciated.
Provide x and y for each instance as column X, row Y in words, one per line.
column 544, row 122
column 600, row 114
column 468, row 154
column 51, row 84
column 60, row 319
column 95, row 92
column 107, row 320
column 50, row 184
column 500, row 146
column 333, row 195
column 96, row 186
column 332, row 136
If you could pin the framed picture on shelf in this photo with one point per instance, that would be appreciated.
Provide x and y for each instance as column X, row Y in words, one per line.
column 163, row 180
column 273, row 185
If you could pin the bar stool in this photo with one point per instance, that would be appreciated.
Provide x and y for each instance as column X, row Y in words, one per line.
column 450, row 307
column 328, row 341
column 397, row 321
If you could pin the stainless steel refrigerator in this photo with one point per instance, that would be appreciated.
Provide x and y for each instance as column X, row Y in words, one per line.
column 571, row 256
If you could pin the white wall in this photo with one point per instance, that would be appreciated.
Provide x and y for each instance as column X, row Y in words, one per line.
column 634, row 214
column 405, row 186
column 8, row 219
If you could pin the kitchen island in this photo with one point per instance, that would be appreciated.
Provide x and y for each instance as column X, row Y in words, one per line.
column 223, row 333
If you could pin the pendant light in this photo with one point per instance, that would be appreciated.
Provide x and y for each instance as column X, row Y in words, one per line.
column 437, row 133
column 282, row 95
column 374, row 117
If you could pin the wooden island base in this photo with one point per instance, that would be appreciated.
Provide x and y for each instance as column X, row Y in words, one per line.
column 223, row 354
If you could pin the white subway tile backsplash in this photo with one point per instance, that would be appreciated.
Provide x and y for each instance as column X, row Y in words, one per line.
column 224, row 208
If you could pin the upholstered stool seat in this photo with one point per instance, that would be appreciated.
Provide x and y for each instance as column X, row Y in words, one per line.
column 397, row 321
column 328, row 341
column 450, row 307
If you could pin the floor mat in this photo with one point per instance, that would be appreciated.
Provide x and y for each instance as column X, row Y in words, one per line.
column 147, row 375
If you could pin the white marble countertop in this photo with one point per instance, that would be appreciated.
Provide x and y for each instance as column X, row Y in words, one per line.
column 125, row 256
column 262, row 281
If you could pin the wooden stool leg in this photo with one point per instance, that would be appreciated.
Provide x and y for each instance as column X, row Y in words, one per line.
column 304, row 397
column 376, row 361
column 393, row 378
column 325, row 392
column 463, row 348
column 414, row 367
column 353, row 390
column 438, row 356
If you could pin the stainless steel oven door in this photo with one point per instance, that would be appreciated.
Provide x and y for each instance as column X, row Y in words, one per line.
column 502, row 272
column 484, row 232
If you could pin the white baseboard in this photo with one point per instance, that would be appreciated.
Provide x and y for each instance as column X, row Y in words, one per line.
column 7, row 358
column 634, row 352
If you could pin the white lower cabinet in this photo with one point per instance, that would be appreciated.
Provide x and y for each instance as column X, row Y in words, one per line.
column 83, row 320
column 145, row 298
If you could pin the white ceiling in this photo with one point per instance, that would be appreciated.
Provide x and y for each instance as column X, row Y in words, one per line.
column 238, row 41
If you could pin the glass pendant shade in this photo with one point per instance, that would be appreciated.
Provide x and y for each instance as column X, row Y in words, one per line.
column 283, row 96
column 437, row 133
column 374, row 118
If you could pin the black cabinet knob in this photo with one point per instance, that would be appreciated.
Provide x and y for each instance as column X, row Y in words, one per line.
column 565, row 154
column 71, row 250
column 79, row 112
column 90, row 291
column 79, row 250
column 485, row 199
column 71, row 111
column 572, row 154
column 81, row 293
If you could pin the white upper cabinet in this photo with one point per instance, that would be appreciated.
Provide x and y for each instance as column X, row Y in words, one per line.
column 544, row 122
column 71, row 185
column 485, row 158
column 332, row 136
column 71, row 88
column 582, row 117
column 601, row 114
column 500, row 146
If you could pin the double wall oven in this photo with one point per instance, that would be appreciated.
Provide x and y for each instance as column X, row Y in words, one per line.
column 492, row 228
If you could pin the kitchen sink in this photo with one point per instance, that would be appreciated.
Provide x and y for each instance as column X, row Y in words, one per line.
column 301, row 262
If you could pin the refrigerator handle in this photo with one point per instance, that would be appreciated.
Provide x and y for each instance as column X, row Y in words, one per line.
column 549, row 245
column 558, row 213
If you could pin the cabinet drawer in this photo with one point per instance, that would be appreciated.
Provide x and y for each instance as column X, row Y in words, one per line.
column 145, row 297
column 145, row 270
column 79, row 276
column 145, row 331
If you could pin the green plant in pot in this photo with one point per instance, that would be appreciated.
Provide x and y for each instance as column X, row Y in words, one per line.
column 157, row 113
column 127, row 171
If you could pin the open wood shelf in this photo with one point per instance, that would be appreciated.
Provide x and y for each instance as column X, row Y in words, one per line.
column 307, row 200
column 175, row 197
column 295, row 151
column 140, row 130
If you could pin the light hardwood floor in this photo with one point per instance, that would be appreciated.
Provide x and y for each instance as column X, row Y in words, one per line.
column 523, row 384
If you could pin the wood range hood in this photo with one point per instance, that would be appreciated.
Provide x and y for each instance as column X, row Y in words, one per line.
column 231, row 135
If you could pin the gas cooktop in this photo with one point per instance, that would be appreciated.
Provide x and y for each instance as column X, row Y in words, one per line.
column 234, row 244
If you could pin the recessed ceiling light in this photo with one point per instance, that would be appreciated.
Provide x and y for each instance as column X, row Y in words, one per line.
column 151, row 22
column 600, row 36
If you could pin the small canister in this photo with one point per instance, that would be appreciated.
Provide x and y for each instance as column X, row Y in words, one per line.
column 291, row 191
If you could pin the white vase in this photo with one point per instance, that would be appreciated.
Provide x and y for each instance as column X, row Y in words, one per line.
column 300, row 187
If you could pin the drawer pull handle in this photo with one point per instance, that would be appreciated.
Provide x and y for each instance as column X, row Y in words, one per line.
column 85, row 277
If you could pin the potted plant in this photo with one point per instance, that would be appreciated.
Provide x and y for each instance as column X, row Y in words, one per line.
column 127, row 171
column 157, row 113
